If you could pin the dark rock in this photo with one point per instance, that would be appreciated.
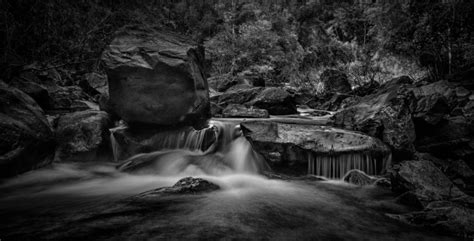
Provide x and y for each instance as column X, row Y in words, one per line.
column 26, row 138
column 156, row 78
column 239, row 96
column 366, row 89
column 68, row 99
column 235, row 111
column 216, row 110
column 335, row 81
column 426, row 182
column 358, row 177
column 128, row 142
column 35, row 90
column 94, row 84
column 276, row 100
column 450, row 139
column 82, row 135
column 187, row 185
column 445, row 217
column 385, row 114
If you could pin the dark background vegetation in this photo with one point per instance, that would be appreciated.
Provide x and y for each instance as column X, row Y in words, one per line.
column 287, row 42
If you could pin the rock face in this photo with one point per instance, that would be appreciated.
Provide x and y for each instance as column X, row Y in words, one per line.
column 156, row 78
column 335, row 81
column 25, row 135
column 236, row 111
column 276, row 100
column 425, row 182
column 82, row 135
column 386, row 115
column 315, row 149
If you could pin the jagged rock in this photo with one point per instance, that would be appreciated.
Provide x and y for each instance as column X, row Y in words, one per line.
column 82, row 135
column 358, row 177
column 26, row 138
column 235, row 111
column 276, row 100
column 156, row 78
column 335, row 81
column 296, row 144
column 426, row 182
column 446, row 217
column 216, row 110
column 385, row 114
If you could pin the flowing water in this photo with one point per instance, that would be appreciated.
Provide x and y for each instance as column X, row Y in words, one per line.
column 84, row 201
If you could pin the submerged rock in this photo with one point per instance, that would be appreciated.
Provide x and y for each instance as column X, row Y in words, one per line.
column 358, row 177
column 187, row 185
column 156, row 78
column 82, row 135
column 319, row 150
column 26, row 137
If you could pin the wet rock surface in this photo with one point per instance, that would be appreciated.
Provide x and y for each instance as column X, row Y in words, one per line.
column 187, row 185
column 289, row 146
column 358, row 177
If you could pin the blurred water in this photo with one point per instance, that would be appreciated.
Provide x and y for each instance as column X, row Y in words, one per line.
column 90, row 201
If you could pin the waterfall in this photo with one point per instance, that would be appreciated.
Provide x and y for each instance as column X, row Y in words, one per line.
column 229, row 154
column 337, row 165
column 126, row 142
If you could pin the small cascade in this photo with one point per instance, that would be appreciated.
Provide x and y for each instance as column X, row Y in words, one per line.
column 127, row 142
column 230, row 153
column 337, row 165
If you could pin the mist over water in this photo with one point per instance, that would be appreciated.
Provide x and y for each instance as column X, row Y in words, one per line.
column 79, row 200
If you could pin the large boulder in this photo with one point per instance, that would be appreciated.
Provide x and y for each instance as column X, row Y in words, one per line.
column 295, row 148
column 26, row 138
column 83, row 136
column 156, row 78
column 335, row 81
column 276, row 100
column 386, row 114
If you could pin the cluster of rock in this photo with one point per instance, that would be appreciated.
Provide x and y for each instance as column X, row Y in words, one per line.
column 244, row 96
column 47, row 116
column 50, row 113
column 429, row 128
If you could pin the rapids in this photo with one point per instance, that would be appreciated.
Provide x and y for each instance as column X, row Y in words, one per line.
column 83, row 201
